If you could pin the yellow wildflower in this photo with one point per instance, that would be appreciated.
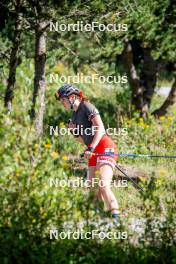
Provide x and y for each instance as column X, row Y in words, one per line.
column 47, row 146
column 36, row 146
column 65, row 157
column 145, row 126
column 170, row 118
column 162, row 118
column 54, row 155
column 62, row 125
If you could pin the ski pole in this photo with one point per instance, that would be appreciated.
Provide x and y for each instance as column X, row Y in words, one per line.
column 118, row 167
column 136, row 155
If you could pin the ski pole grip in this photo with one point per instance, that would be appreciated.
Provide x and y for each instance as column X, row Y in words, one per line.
column 82, row 155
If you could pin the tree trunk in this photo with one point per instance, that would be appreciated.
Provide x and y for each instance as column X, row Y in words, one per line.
column 148, row 79
column 13, row 65
column 137, row 89
column 38, row 101
column 171, row 99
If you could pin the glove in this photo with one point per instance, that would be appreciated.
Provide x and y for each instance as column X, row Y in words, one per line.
column 90, row 149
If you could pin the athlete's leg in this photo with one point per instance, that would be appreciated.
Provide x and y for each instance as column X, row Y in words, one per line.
column 106, row 174
column 90, row 175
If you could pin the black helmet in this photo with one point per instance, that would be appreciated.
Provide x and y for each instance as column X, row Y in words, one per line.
column 66, row 90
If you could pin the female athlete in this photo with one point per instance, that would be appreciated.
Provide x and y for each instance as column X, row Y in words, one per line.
column 91, row 132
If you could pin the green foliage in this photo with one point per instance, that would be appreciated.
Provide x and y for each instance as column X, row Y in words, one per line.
column 29, row 206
